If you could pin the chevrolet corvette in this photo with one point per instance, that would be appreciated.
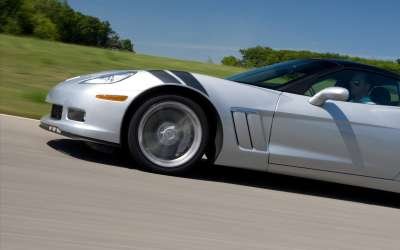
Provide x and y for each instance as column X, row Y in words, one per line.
column 323, row 119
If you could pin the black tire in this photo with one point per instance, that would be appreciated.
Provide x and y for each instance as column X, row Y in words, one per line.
column 135, row 143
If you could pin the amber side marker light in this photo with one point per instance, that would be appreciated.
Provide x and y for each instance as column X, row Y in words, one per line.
column 117, row 98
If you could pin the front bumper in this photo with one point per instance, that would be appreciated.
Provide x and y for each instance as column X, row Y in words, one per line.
column 83, row 115
column 80, row 114
column 71, row 130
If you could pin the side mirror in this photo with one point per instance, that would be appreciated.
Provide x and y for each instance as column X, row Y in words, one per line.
column 331, row 93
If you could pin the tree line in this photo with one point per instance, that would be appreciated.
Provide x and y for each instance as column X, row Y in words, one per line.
column 261, row 56
column 55, row 20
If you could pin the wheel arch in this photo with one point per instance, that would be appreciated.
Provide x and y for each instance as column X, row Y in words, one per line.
column 215, row 123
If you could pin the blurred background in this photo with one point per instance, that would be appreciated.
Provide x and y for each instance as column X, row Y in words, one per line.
column 43, row 42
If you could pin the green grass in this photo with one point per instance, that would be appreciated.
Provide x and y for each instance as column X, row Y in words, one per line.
column 29, row 67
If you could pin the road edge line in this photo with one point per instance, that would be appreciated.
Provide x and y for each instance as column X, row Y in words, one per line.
column 19, row 117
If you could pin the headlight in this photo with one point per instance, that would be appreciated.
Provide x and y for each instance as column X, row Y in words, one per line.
column 111, row 78
column 72, row 78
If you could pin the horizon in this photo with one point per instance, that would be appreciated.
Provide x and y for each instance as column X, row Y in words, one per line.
column 187, row 34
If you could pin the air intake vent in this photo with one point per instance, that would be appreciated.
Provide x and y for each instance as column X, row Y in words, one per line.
column 76, row 114
column 56, row 112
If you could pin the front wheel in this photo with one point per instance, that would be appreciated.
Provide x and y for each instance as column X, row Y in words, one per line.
column 168, row 134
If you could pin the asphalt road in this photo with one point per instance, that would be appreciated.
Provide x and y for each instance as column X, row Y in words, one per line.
column 58, row 193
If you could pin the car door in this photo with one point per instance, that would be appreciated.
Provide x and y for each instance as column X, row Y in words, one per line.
column 345, row 137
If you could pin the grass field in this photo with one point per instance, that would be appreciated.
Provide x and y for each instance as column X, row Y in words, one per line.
column 30, row 67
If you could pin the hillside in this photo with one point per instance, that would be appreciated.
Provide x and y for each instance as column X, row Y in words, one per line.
column 29, row 67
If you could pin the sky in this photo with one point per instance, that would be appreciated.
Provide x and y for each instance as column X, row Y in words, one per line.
column 203, row 29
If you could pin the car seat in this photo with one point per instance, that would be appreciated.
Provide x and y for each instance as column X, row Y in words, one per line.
column 381, row 96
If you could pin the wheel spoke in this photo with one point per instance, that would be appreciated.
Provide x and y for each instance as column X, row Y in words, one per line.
column 169, row 134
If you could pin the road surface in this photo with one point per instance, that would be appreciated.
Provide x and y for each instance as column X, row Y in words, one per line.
column 58, row 193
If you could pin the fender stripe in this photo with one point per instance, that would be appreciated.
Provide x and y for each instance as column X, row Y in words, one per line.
column 164, row 76
column 189, row 80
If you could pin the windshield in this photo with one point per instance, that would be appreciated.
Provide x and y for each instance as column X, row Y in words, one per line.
column 276, row 75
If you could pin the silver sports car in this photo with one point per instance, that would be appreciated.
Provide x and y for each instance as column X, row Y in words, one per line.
column 324, row 119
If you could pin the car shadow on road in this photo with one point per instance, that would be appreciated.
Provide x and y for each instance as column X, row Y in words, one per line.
column 206, row 172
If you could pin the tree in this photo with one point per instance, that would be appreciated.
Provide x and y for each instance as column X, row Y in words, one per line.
column 8, row 10
column 56, row 20
column 126, row 44
column 230, row 61
column 113, row 41
column 44, row 28
column 260, row 56
column 11, row 26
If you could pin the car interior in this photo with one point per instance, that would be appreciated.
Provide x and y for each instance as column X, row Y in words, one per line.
column 383, row 90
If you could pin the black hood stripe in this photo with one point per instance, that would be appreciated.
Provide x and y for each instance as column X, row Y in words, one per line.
column 189, row 80
column 164, row 76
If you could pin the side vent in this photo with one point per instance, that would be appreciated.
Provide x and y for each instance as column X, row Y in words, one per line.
column 248, row 128
column 242, row 130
